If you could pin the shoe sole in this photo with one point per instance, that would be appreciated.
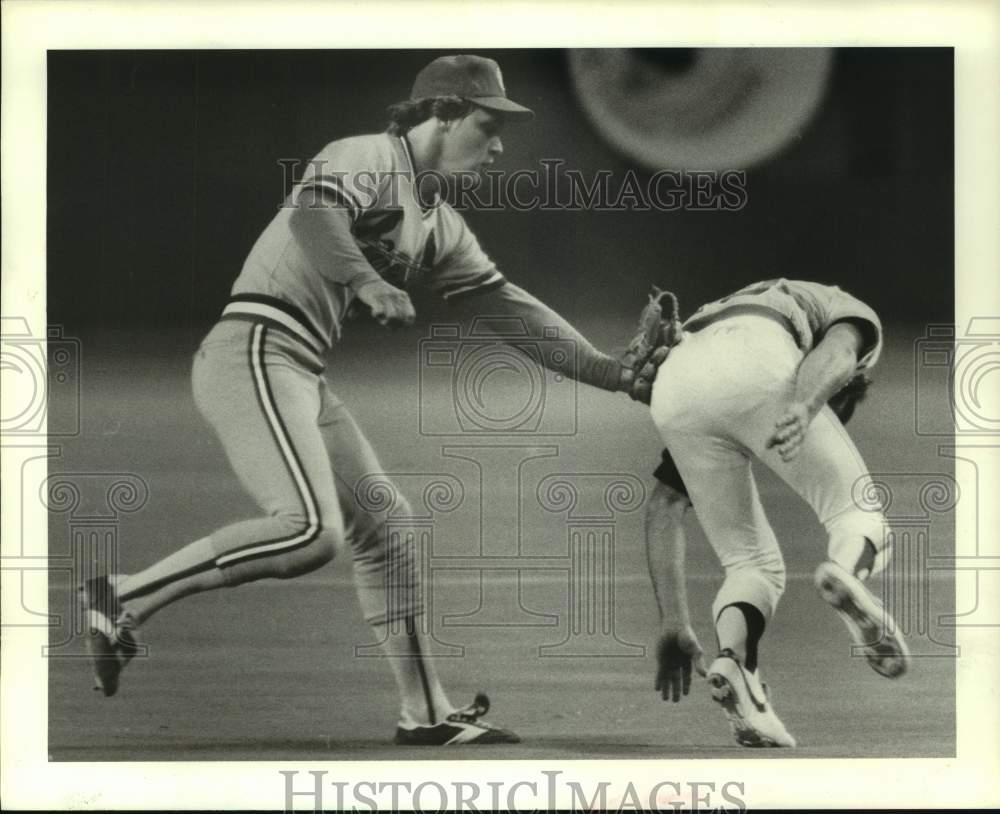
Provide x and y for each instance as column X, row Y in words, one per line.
column 109, row 659
column 869, row 627
column 495, row 736
column 107, row 665
column 489, row 737
column 725, row 696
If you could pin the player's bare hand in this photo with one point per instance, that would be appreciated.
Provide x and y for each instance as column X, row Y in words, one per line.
column 389, row 305
column 677, row 652
column 790, row 431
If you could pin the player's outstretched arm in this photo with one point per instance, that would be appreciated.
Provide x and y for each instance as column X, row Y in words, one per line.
column 494, row 309
column 823, row 371
column 678, row 649
column 322, row 230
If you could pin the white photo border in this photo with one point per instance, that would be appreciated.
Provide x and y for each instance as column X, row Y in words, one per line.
column 972, row 28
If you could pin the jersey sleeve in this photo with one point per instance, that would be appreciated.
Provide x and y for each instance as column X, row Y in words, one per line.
column 352, row 172
column 463, row 268
column 843, row 307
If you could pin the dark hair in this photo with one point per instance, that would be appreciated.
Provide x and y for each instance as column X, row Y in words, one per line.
column 405, row 115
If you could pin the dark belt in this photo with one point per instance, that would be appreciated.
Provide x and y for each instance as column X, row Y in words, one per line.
column 741, row 309
column 283, row 315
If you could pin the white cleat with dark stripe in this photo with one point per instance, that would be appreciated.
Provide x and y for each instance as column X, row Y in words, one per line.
column 870, row 625
column 745, row 702
column 461, row 727
column 111, row 646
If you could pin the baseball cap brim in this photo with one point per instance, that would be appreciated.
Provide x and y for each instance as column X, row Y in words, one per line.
column 501, row 104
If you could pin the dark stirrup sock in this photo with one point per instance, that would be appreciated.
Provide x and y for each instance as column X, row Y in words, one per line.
column 755, row 629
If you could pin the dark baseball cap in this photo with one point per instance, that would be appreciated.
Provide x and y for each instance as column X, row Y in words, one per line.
column 477, row 79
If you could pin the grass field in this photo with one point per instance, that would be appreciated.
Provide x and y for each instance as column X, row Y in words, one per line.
column 274, row 670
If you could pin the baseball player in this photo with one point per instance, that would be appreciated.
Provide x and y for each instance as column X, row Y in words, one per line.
column 369, row 221
column 752, row 379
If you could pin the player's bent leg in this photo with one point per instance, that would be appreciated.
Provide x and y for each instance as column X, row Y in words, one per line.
column 275, row 447
column 871, row 627
column 263, row 402
column 728, row 506
column 386, row 559
column 745, row 605
column 759, row 581
column 719, row 480
column 831, row 476
column 742, row 608
column 857, row 549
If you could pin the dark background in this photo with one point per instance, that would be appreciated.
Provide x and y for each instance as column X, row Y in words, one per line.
column 163, row 169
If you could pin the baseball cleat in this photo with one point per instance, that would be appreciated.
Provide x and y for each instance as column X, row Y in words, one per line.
column 110, row 645
column 870, row 625
column 461, row 727
column 745, row 702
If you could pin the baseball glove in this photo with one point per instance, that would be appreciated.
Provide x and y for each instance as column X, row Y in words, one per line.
column 658, row 331
column 849, row 396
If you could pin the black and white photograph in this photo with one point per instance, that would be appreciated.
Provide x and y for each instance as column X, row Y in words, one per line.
column 499, row 405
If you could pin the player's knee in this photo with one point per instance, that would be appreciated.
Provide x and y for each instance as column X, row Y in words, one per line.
column 328, row 543
column 761, row 584
column 772, row 569
column 314, row 554
column 372, row 532
column 777, row 577
column 767, row 565
column 323, row 541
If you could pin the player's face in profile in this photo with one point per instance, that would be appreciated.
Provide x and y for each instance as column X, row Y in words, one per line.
column 472, row 143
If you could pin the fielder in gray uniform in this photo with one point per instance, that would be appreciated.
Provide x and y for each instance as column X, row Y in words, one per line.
column 368, row 222
column 751, row 380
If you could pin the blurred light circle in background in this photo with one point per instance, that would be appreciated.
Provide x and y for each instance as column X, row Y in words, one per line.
column 700, row 108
